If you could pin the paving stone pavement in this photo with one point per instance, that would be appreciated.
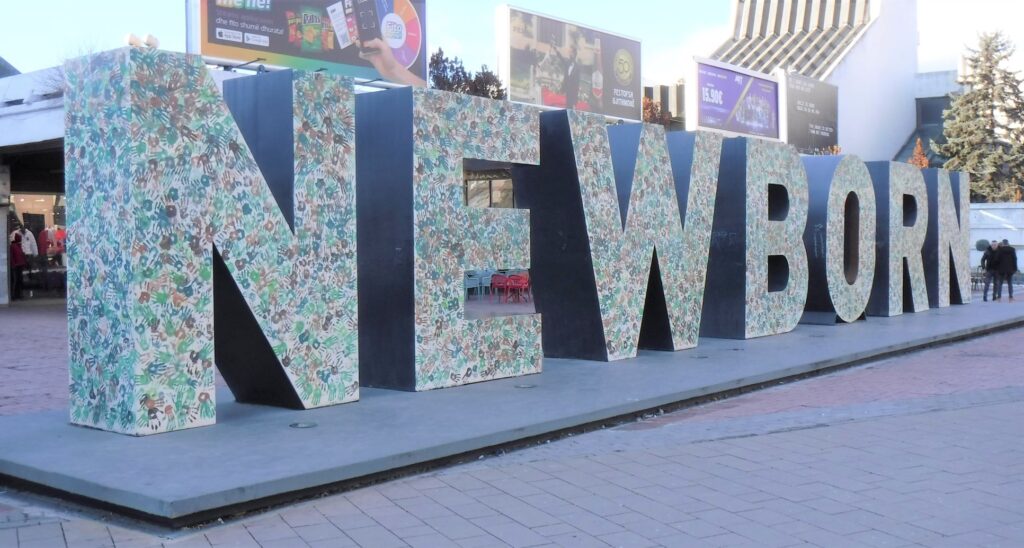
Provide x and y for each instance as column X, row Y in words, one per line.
column 33, row 357
column 923, row 449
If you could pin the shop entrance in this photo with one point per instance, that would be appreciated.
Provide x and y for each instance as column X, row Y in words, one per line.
column 36, row 214
column 39, row 217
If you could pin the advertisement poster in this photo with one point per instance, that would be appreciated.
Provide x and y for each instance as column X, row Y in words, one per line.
column 812, row 111
column 360, row 38
column 559, row 64
column 737, row 102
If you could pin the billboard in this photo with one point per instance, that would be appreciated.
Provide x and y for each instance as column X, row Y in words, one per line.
column 362, row 38
column 737, row 101
column 559, row 64
column 812, row 109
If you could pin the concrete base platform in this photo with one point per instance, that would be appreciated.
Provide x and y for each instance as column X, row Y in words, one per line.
column 252, row 454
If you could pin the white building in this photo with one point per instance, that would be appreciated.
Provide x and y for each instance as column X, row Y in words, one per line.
column 32, row 168
column 999, row 221
column 31, row 156
column 932, row 96
column 867, row 48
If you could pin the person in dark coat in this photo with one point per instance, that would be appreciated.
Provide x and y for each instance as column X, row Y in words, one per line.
column 571, row 80
column 18, row 264
column 1006, row 258
column 990, row 264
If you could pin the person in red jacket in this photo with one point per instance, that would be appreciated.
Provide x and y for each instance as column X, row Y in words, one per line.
column 18, row 264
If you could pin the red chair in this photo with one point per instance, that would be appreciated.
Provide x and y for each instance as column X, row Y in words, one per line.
column 519, row 286
column 499, row 281
column 527, row 289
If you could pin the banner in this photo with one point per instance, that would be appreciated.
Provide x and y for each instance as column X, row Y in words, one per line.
column 360, row 38
column 737, row 102
column 559, row 64
column 812, row 109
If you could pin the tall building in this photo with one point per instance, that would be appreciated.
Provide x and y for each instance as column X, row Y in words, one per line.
column 932, row 96
column 802, row 36
column 7, row 69
column 867, row 48
column 671, row 99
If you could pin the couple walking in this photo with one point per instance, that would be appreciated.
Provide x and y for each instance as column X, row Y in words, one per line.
column 1000, row 263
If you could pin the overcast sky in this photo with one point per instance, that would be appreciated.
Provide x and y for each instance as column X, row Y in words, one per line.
column 671, row 30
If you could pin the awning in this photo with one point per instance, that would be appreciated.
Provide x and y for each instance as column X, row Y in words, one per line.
column 32, row 125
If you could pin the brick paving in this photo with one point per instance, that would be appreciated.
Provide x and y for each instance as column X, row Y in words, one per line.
column 919, row 450
column 33, row 357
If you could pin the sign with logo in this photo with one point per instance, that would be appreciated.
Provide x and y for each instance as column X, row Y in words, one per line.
column 736, row 101
column 812, row 108
column 555, row 63
column 360, row 38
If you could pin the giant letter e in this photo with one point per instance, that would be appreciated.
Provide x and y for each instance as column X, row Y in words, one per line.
column 417, row 239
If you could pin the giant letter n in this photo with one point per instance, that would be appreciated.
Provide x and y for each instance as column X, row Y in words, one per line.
column 158, row 174
column 947, row 245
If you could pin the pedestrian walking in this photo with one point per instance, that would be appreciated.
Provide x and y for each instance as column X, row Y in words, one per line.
column 990, row 265
column 1006, row 266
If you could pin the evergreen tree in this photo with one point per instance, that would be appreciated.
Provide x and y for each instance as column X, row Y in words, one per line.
column 487, row 84
column 985, row 124
column 918, row 158
column 449, row 74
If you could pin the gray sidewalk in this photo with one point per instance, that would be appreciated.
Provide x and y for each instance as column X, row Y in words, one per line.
column 387, row 429
column 923, row 449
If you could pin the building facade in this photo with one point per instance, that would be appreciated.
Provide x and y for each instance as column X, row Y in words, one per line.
column 672, row 101
column 867, row 48
column 932, row 95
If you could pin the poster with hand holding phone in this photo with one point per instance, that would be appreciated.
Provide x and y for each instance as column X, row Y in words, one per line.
column 367, row 39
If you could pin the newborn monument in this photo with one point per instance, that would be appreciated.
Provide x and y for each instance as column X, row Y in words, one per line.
column 305, row 241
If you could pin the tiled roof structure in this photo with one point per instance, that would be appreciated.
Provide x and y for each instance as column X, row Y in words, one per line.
column 6, row 69
column 803, row 36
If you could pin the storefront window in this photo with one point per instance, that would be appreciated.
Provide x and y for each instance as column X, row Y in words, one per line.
column 39, row 220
